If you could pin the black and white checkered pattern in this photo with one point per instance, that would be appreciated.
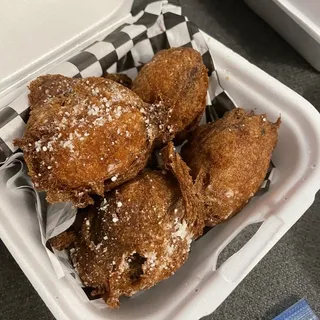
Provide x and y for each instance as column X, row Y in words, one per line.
column 13, row 119
column 155, row 25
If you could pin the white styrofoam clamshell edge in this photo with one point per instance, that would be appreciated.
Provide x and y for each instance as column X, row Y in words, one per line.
column 296, row 22
column 288, row 198
column 305, row 13
column 50, row 46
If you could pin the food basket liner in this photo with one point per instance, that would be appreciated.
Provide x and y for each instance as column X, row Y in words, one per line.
column 152, row 26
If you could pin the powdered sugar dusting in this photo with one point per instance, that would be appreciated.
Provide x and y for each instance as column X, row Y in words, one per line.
column 229, row 193
column 104, row 205
column 115, row 218
column 170, row 250
column 119, row 204
column 93, row 110
column 78, row 115
column 151, row 259
column 67, row 144
column 114, row 178
column 181, row 229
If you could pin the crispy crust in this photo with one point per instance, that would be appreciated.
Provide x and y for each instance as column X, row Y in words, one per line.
column 48, row 86
column 231, row 157
column 92, row 136
column 136, row 237
column 140, row 233
column 178, row 78
column 63, row 240
column 191, row 191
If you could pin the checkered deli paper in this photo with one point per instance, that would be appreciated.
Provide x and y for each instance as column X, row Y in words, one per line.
column 152, row 26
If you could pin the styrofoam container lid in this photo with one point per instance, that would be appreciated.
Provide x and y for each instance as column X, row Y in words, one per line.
column 34, row 33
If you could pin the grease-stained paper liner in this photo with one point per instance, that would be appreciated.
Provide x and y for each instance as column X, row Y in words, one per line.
column 152, row 27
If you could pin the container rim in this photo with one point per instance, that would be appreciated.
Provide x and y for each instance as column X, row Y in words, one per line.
column 299, row 17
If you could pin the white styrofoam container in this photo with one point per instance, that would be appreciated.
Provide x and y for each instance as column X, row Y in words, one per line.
column 297, row 21
column 34, row 34
column 197, row 288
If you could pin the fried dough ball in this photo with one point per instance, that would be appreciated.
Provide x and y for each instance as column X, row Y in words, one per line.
column 177, row 79
column 90, row 137
column 231, row 156
column 136, row 238
column 138, row 235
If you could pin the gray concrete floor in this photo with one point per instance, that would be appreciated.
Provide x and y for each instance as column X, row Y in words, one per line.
column 291, row 270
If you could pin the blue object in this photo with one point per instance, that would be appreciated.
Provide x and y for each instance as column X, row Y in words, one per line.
column 299, row 311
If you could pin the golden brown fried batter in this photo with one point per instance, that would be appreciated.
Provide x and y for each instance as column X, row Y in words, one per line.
column 231, row 156
column 48, row 86
column 178, row 79
column 63, row 240
column 139, row 235
column 190, row 191
column 120, row 78
column 91, row 137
